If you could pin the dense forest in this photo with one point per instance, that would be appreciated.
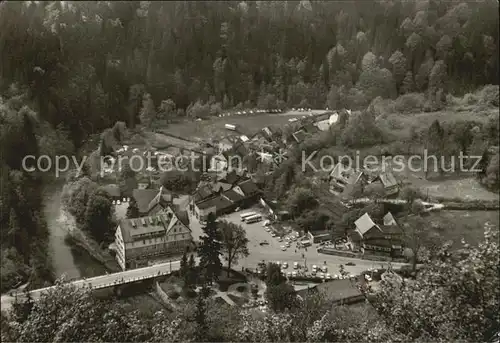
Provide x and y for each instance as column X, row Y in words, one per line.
column 89, row 64
column 72, row 69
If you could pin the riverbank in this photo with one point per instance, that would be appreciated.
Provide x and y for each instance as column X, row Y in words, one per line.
column 80, row 244
column 73, row 257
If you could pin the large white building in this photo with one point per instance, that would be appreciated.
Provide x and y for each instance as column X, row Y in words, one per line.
column 142, row 239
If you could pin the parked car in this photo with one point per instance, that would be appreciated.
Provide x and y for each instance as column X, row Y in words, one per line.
column 315, row 268
column 264, row 243
column 328, row 276
column 285, row 265
column 283, row 248
column 350, row 264
column 266, row 223
column 295, row 265
column 324, row 269
column 294, row 273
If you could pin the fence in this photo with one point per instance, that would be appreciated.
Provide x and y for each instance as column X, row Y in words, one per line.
column 330, row 251
column 122, row 281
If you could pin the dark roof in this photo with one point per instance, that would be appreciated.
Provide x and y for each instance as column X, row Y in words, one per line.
column 384, row 243
column 335, row 209
column 219, row 202
column 311, row 128
column 388, row 179
column 339, row 289
column 320, row 233
column 272, row 204
column 233, row 195
column 232, row 177
column 143, row 198
column 112, row 190
column 248, row 187
column 130, row 184
column 345, row 174
column 323, row 116
column 238, row 149
column 181, row 215
column 203, row 192
column 160, row 198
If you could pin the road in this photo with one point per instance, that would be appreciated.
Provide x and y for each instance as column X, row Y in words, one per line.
column 104, row 280
column 430, row 206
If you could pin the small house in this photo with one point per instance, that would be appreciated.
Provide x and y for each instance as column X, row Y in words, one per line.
column 113, row 191
column 343, row 176
column 320, row 236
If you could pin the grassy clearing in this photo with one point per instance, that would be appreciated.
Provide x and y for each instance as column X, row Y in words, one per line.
column 214, row 127
column 467, row 225
column 401, row 124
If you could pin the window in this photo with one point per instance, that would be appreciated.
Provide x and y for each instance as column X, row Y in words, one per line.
column 143, row 241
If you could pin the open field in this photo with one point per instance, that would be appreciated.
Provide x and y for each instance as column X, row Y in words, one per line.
column 161, row 139
column 451, row 185
column 467, row 225
column 214, row 127
column 401, row 123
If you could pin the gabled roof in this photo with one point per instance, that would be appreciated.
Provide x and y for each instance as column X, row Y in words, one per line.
column 131, row 228
column 311, row 128
column 248, row 187
column 112, row 190
column 322, row 116
column 320, row 233
column 161, row 197
column 389, row 219
column 232, row 177
column 221, row 186
column 233, row 195
column 380, row 242
column 365, row 224
column 345, row 174
column 338, row 290
column 388, row 179
column 203, row 192
column 143, row 198
column 219, row 202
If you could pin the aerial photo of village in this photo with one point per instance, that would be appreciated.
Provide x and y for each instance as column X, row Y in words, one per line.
column 254, row 171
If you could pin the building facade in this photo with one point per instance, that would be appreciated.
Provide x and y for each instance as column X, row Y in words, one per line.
column 143, row 239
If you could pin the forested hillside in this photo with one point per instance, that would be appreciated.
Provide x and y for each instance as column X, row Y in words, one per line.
column 88, row 64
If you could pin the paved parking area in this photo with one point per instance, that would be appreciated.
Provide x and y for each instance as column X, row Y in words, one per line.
column 270, row 253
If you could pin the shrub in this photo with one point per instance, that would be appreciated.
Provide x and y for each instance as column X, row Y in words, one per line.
column 190, row 293
column 380, row 106
column 469, row 99
column 489, row 95
column 241, row 289
column 174, row 295
column 410, row 103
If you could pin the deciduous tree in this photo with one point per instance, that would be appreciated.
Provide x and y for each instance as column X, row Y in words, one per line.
column 234, row 242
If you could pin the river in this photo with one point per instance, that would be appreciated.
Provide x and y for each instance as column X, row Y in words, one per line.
column 72, row 262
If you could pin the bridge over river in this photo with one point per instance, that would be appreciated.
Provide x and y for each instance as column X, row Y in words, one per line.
column 103, row 281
